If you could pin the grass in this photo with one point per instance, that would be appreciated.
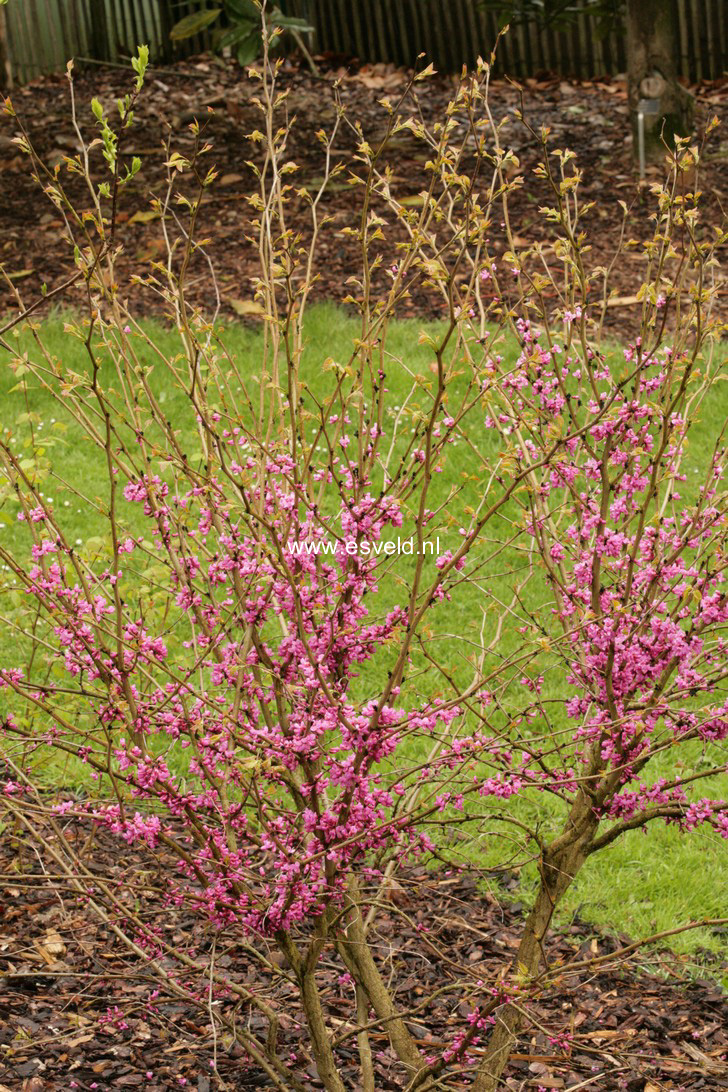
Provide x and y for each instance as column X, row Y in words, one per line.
column 642, row 884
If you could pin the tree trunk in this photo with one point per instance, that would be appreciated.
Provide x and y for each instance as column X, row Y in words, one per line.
column 6, row 72
column 305, row 972
column 354, row 949
column 652, row 60
column 561, row 861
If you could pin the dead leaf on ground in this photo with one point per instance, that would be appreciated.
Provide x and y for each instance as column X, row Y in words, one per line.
column 622, row 301
column 144, row 217
column 246, row 307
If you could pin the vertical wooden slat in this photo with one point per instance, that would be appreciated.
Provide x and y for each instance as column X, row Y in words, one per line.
column 119, row 12
column 607, row 53
column 406, row 51
column 599, row 68
column 432, row 32
column 84, row 27
column 561, row 51
column 69, row 45
column 715, row 67
column 427, row 14
column 378, row 29
column 135, row 34
column 31, row 69
column 16, row 52
column 468, row 46
column 75, row 16
column 20, row 15
column 390, row 13
column 576, row 59
column 338, row 35
column 554, row 49
column 372, row 23
column 43, row 39
column 697, row 39
column 317, row 16
column 690, row 35
column 166, row 22
column 147, row 27
column 116, row 29
column 534, row 49
column 449, row 60
column 6, row 66
column 323, row 33
column 99, row 26
column 528, row 58
column 550, row 48
column 355, row 12
column 332, row 28
column 414, row 13
column 349, row 27
column 35, row 57
column 587, row 38
column 327, row 34
column 43, row 34
column 411, row 43
column 489, row 29
column 708, row 40
column 519, row 39
column 684, row 66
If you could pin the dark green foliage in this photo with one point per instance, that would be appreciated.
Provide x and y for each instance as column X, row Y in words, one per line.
column 557, row 14
column 243, row 32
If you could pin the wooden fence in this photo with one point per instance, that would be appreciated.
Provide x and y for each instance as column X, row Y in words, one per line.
column 454, row 32
column 42, row 34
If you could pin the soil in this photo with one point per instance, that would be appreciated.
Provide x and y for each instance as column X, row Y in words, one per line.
column 589, row 117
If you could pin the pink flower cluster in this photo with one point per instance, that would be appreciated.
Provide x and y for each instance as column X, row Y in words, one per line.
column 278, row 786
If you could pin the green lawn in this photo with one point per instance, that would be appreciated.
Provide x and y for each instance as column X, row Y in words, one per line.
column 644, row 883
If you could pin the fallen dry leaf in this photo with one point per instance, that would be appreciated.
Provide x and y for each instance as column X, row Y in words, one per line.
column 144, row 217
column 53, row 943
column 246, row 307
column 622, row 301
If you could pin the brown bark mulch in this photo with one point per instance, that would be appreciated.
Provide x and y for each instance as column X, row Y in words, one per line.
column 78, row 1011
column 589, row 117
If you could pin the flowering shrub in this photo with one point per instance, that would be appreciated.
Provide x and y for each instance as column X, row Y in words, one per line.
column 257, row 715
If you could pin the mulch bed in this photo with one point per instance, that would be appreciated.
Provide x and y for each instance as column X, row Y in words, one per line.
column 76, row 1011
column 589, row 117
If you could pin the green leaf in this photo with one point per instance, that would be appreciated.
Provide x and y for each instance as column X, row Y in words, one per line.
column 140, row 63
column 241, row 32
column 249, row 49
column 290, row 22
column 246, row 40
column 243, row 9
column 194, row 23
